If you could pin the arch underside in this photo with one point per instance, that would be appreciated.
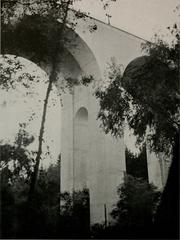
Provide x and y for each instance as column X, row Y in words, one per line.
column 72, row 45
column 85, row 148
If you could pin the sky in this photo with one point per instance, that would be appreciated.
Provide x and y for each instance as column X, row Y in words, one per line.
column 17, row 106
column 143, row 18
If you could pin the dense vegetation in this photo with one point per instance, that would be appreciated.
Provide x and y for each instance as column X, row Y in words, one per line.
column 146, row 96
column 146, row 99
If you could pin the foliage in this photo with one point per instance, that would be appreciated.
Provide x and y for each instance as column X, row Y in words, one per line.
column 8, row 68
column 36, row 37
column 137, row 203
column 18, row 8
column 15, row 160
column 16, row 164
column 146, row 96
column 44, row 218
column 136, row 164
column 84, row 80
column 133, row 215
column 44, row 210
column 75, row 214
column 36, row 30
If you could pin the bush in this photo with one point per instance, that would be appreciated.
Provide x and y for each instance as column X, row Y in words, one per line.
column 43, row 217
column 137, row 203
column 134, row 212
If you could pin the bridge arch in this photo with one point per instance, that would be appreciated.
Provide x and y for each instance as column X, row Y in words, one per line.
column 73, row 46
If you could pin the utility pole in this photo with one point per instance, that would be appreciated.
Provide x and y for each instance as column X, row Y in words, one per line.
column 105, row 216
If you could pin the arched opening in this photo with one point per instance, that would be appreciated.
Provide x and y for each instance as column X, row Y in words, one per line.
column 133, row 77
column 75, row 60
column 82, row 115
column 23, row 103
column 38, row 49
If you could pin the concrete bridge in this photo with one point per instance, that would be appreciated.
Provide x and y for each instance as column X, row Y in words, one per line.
column 91, row 159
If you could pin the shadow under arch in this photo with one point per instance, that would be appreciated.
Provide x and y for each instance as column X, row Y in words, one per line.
column 81, row 115
column 135, row 64
column 24, row 40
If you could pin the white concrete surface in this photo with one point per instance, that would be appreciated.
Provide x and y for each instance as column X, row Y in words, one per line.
column 90, row 158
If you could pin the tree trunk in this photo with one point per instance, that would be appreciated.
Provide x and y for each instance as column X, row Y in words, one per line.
column 167, row 219
column 41, row 133
column 52, row 79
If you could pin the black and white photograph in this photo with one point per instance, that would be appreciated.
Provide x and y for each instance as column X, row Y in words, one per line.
column 89, row 119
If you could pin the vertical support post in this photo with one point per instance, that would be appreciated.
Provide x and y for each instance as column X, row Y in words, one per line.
column 108, row 16
column 105, row 216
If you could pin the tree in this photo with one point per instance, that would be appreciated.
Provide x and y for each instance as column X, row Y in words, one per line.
column 45, row 218
column 37, row 30
column 43, row 214
column 137, row 205
column 136, row 164
column 147, row 97
column 38, row 33
column 134, row 212
column 137, row 202
column 16, row 163
column 75, row 214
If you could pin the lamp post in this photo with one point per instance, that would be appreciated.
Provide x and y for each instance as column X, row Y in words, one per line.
column 108, row 16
